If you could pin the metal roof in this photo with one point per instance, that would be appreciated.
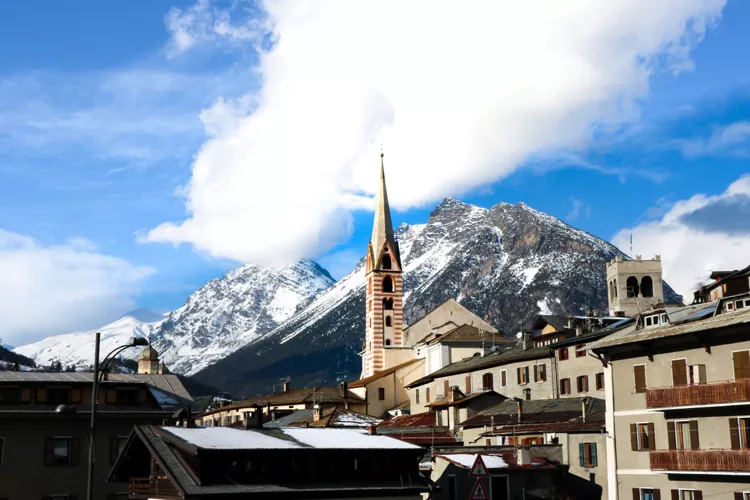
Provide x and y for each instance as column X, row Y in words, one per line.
column 631, row 335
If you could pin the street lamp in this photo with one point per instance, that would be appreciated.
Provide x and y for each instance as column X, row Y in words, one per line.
column 98, row 373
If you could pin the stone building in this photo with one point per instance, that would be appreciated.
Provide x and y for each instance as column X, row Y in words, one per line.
column 148, row 362
column 634, row 285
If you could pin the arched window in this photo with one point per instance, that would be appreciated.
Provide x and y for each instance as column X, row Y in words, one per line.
column 387, row 321
column 387, row 304
column 387, row 284
column 633, row 288
column 387, row 341
column 647, row 286
column 611, row 290
column 385, row 261
column 615, row 283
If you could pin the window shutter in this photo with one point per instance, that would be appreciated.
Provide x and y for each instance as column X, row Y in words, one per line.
column 594, row 460
column 639, row 373
column 26, row 395
column 636, row 494
column 633, row 437
column 671, row 439
column 503, row 376
column 657, row 494
column 543, row 369
column 111, row 396
column 518, row 374
column 536, row 373
column 697, row 495
column 738, row 495
column 75, row 450
column 651, row 437
column 75, row 395
column 734, row 433
column 525, row 374
column 694, row 443
column 446, row 388
column 41, row 395
column 468, row 384
column 49, row 451
column 581, row 455
column 675, row 495
column 679, row 372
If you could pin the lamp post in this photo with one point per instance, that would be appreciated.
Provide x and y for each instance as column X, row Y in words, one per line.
column 134, row 341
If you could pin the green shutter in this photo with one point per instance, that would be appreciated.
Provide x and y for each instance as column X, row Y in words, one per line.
column 594, row 460
column 581, row 455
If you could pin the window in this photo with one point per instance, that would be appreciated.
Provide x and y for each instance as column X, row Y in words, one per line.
column 381, row 394
column 582, row 383
column 632, row 286
column 739, row 432
column 741, row 364
column 116, row 445
column 648, row 320
column 388, row 284
column 416, row 396
column 697, row 374
column 387, row 321
column 642, row 436
column 580, row 351
column 61, row 451
column 687, row 495
column 387, row 341
column 540, row 373
column 683, row 435
column 600, row 381
column 503, row 378
column 639, row 374
column 522, row 374
column 58, row 396
column 487, row 382
column 679, row 372
column 646, row 494
column 565, row 386
column 427, row 394
column 562, row 353
column 739, row 305
column 664, row 319
column 387, row 304
column 10, row 396
column 385, row 261
column 587, row 455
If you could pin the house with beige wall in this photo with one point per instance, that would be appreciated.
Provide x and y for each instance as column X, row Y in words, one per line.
column 678, row 406
column 385, row 391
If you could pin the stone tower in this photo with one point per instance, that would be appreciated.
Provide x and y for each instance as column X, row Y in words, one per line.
column 384, row 300
column 634, row 286
column 148, row 361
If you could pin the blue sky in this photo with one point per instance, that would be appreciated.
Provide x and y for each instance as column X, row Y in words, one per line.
column 106, row 108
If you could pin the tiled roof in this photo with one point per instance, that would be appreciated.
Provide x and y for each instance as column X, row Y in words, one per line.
column 631, row 335
column 537, row 411
column 330, row 417
column 384, row 373
column 416, row 420
column 478, row 362
column 469, row 333
column 445, row 401
column 294, row 397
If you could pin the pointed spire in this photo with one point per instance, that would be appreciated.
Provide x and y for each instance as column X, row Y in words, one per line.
column 382, row 227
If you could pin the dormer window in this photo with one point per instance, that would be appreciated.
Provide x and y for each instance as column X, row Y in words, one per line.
column 654, row 320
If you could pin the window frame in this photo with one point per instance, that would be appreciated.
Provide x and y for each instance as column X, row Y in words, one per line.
column 580, row 351
column 645, row 379
column 539, row 370
column 381, row 393
column 596, row 381
column 579, row 386
column 588, row 462
column 641, row 492
column 638, row 435
column 681, row 490
column 56, row 462
column 416, row 396
column 563, row 384
column 503, row 378
column 562, row 354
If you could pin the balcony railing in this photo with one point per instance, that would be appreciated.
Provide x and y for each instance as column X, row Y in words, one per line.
column 700, row 460
column 732, row 391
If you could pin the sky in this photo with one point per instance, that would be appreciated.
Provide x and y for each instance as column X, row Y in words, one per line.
column 147, row 147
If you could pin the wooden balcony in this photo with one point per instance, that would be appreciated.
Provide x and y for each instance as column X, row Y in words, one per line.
column 142, row 488
column 731, row 391
column 700, row 460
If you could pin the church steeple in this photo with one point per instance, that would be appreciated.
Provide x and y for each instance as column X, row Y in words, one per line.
column 384, row 311
column 382, row 227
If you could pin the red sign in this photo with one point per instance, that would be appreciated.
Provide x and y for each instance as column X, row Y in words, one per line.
column 479, row 493
column 478, row 469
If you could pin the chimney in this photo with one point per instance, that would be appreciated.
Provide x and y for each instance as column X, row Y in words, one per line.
column 527, row 341
column 255, row 419
column 345, row 394
column 519, row 406
column 316, row 413
column 105, row 375
column 579, row 331
column 371, row 429
column 455, row 394
column 570, row 321
column 287, row 385
column 584, row 404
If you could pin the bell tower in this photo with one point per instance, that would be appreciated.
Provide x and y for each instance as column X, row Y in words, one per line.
column 384, row 299
column 634, row 286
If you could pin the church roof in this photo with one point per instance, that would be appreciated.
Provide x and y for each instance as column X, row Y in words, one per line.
column 149, row 353
column 382, row 227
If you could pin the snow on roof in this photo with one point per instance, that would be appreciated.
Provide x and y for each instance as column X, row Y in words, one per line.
column 345, row 439
column 467, row 460
column 227, row 438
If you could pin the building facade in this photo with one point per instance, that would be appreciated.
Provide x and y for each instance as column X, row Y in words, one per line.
column 634, row 285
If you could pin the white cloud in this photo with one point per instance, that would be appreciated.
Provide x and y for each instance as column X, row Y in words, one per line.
column 694, row 239
column 579, row 210
column 733, row 139
column 459, row 95
column 48, row 290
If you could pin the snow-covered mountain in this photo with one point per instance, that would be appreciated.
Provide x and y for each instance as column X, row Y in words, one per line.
column 230, row 312
column 506, row 264
column 77, row 348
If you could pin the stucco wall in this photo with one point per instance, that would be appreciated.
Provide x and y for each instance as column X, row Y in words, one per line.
column 574, row 367
column 393, row 386
column 450, row 311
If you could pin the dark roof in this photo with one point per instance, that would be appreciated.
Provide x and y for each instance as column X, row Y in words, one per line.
column 419, row 429
column 416, row 420
column 498, row 358
column 446, row 400
column 330, row 417
column 469, row 333
column 383, row 373
column 427, row 438
column 308, row 395
column 509, row 457
column 537, row 411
